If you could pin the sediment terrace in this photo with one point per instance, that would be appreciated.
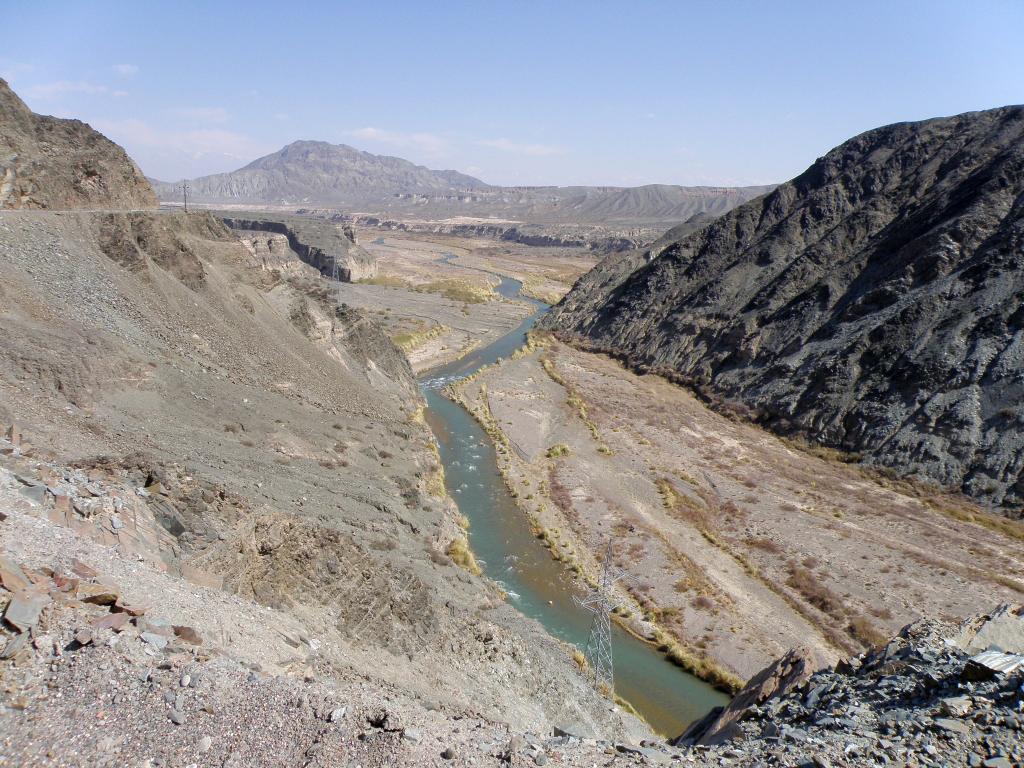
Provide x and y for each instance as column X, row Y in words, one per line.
column 742, row 545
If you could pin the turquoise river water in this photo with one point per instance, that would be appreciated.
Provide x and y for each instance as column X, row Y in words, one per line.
column 540, row 587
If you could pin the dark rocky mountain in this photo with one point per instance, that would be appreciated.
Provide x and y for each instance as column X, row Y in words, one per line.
column 47, row 162
column 318, row 174
column 872, row 304
column 322, row 173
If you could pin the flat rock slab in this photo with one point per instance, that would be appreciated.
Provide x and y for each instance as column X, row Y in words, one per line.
column 24, row 609
column 11, row 576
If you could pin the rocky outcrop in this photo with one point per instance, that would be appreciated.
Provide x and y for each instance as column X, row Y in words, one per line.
column 330, row 249
column 774, row 681
column 47, row 162
column 136, row 240
column 923, row 698
column 872, row 304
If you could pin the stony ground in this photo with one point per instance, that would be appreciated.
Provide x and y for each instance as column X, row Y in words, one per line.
column 931, row 696
column 105, row 660
column 241, row 454
column 742, row 546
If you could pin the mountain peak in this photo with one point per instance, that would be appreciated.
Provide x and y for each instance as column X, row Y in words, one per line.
column 307, row 171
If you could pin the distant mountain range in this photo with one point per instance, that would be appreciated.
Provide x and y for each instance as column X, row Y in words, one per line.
column 319, row 174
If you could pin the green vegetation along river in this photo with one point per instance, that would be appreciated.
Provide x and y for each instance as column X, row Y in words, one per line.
column 667, row 697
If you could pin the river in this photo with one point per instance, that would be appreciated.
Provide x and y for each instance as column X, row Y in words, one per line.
column 500, row 537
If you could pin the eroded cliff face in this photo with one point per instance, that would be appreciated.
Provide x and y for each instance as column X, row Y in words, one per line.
column 872, row 304
column 327, row 247
column 47, row 162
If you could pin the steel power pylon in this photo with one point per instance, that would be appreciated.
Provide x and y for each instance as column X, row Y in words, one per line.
column 184, row 193
column 601, row 602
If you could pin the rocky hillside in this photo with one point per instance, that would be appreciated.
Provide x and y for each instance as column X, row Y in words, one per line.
column 47, row 162
column 938, row 693
column 199, row 436
column 872, row 304
column 318, row 172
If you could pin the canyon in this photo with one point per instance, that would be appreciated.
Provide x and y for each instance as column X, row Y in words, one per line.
column 292, row 478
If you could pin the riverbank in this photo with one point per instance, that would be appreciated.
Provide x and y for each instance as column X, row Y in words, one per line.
column 742, row 546
column 505, row 544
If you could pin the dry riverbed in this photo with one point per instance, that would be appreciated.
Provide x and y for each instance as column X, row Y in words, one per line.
column 435, row 294
column 430, row 328
column 740, row 545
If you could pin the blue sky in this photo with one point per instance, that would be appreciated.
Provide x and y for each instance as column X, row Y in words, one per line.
column 515, row 93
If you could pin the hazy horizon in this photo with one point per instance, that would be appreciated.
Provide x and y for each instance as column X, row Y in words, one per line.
column 567, row 94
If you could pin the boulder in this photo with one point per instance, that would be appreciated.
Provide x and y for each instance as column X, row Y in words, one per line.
column 777, row 679
column 24, row 609
column 1003, row 629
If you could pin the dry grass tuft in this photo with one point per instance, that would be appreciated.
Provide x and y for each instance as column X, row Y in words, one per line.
column 462, row 556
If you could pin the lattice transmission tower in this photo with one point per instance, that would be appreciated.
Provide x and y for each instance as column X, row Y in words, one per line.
column 602, row 602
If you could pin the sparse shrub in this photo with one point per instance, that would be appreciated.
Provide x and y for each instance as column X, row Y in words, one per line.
column 561, row 449
column 760, row 542
column 462, row 556
column 702, row 603
column 388, row 281
column 862, row 629
column 816, row 593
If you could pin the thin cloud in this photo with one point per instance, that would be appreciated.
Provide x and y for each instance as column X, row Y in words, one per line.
column 192, row 143
column 11, row 70
column 533, row 150
column 126, row 70
column 202, row 114
column 426, row 141
column 61, row 87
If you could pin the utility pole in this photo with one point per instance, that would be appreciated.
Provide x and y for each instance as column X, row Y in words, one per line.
column 602, row 602
column 184, row 193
